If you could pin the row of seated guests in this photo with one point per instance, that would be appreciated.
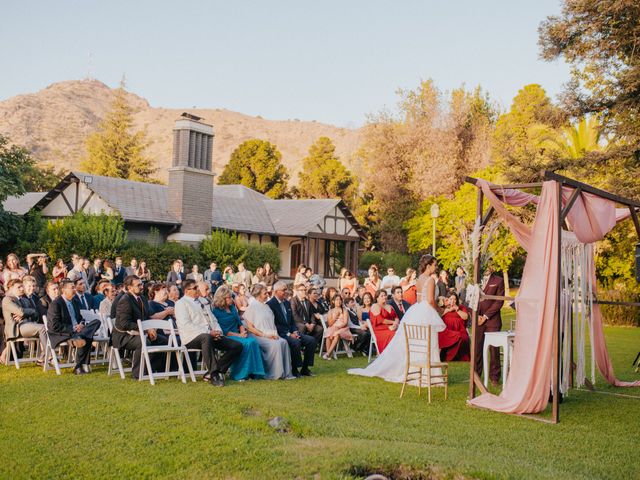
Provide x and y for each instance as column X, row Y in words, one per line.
column 268, row 347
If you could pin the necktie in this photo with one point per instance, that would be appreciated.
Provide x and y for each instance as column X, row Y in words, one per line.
column 72, row 313
column 84, row 302
column 401, row 307
column 284, row 311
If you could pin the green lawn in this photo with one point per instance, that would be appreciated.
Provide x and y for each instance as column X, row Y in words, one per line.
column 340, row 427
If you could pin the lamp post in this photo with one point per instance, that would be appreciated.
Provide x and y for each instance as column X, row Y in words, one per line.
column 435, row 213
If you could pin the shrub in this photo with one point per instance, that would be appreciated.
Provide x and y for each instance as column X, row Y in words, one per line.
column 258, row 255
column 160, row 257
column 369, row 258
column 619, row 314
column 87, row 235
column 399, row 261
column 224, row 248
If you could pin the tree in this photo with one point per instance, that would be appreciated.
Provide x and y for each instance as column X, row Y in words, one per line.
column 516, row 148
column 600, row 40
column 256, row 164
column 114, row 150
column 42, row 178
column 324, row 176
column 223, row 247
column 572, row 142
column 15, row 163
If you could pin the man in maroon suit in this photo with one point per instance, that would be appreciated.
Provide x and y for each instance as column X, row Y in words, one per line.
column 489, row 320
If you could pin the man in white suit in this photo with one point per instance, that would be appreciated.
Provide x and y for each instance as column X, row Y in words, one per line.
column 199, row 329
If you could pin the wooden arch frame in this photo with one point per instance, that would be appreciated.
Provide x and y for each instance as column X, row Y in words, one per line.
column 484, row 217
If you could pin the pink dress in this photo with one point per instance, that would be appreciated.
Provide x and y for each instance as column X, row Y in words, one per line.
column 340, row 327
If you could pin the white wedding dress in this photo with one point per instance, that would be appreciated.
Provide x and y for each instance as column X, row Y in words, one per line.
column 391, row 363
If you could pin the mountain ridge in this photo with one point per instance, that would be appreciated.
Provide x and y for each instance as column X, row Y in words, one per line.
column 54, row 123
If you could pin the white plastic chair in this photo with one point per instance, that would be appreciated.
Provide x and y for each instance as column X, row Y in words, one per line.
column 114, row 354
column 346, row 349
column 100, row 338
column 196, row 371
column 34, row 348
column 171, row 347
column 50, row 351
column 373, row 342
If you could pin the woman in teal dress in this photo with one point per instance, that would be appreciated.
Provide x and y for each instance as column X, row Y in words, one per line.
column 249, row 363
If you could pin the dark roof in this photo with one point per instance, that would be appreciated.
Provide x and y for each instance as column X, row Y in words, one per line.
column 236, row 207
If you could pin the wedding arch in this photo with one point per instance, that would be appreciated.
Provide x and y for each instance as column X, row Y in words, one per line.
column 557, row 303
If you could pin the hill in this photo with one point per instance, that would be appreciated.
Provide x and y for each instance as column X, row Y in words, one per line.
column 54, row 123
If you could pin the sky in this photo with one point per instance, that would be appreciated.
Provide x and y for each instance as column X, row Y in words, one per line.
column 329, row 61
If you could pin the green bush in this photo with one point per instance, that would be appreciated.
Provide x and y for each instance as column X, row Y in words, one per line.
column 160, row 257
column 399, row 261
column 223, row 248
column 619, row 314
column 87, row 235
column 258, row 255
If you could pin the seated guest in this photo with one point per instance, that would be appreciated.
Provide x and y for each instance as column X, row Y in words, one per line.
column 350, row 283
column 358, row 326
column 12, row 269
column 228, row 274
column 317, row 307
column 270, row 277
column 399, row 304
column 259, row 318
column 130, row 307
column 99, row 295
column 94, row 275
column 59, row 271
column 159, row 304
column 199, row 329
column 143, row 272
column 303, row 314
column 300, row 275
column 454, row 340
column 19, row 320
column 372, row 282
column 132, row 268
column 243, row 276
column 173, row 294
column 119, row 272
column 104, row 308
column 30, row 300
column 359, row 293
column 383, row 319
column 241, row 299
column 249, row 363
column 287, row 329
column 107, row 271
column 329, row 293
column 65, row 324
column 78, row 272
column 52, row 290
column 258, row 277
column 82, row 298
column 408, row 284
column 337, row 326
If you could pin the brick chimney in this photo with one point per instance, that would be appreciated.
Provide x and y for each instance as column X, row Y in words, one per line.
column 190, row 198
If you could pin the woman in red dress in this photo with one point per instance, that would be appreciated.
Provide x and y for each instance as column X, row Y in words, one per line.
column 454, row 340
column 408, row 284
column 384, row 320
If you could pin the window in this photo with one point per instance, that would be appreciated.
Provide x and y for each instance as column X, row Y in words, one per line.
column 334, row 255
column 296, row 258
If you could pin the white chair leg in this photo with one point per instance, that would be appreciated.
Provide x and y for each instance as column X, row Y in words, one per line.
column 183, row 378
column 13, row 351
column 190, row 367
column 147, row 360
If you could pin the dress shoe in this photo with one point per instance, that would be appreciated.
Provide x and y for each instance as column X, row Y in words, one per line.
column 216, row 380
column 86, row 368
column 295, row 373
column 79, row 371
column 306, row 373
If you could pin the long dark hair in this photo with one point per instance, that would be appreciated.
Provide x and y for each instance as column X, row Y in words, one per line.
column 425, row 261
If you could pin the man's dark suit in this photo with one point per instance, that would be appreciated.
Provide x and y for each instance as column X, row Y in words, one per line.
column 88, row 301
column 60, row 328
column 400, row 311
column 93, row 276
column 128, row 312
column 118, row 275
column 303, row 316
column 490, row 308
column 286, row 326
column 33, row 302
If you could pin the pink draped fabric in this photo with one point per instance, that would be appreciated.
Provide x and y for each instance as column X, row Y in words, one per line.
column 591, row 218
column 527, row 387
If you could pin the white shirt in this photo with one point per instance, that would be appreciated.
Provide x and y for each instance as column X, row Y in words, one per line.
column 389, row 281
column 193, row 320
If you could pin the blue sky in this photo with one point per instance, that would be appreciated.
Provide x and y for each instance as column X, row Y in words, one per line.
column 330, row 61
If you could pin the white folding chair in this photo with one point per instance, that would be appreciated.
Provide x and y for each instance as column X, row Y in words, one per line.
column 171, row 347
column 196, row 371
column 50, row 351
column 100, row 338
column 114, row 354
column 346, row 349
column 373, row 342
column 33, row 344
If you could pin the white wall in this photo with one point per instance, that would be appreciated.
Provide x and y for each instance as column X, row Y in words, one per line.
column 59, row 208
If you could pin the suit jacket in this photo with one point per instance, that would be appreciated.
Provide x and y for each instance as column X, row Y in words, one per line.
column 32, row 302
column 491, row 308
column 399, row 313
column 93, row 276
column 14, row 312
column 193, row 319
column 128, row 312
column 118, row 275
column 87, row 298
column 59, row 321
column 301, row 310
column 284, row 325
column 172, row 276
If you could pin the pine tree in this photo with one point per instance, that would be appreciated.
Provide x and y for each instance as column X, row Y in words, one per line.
column 324, row 176
column 256, row 164
column 114, row 150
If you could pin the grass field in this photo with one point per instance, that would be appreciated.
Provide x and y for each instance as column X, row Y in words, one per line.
column 340, row 427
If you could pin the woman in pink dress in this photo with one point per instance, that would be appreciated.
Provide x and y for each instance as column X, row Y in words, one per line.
column 338, row 326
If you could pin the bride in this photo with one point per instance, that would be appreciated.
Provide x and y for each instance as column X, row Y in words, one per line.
column 391, row 364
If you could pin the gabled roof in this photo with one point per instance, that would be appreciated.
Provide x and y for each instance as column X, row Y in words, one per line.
column 235, row 207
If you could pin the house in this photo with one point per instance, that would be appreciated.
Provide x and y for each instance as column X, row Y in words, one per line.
column 321, row 233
